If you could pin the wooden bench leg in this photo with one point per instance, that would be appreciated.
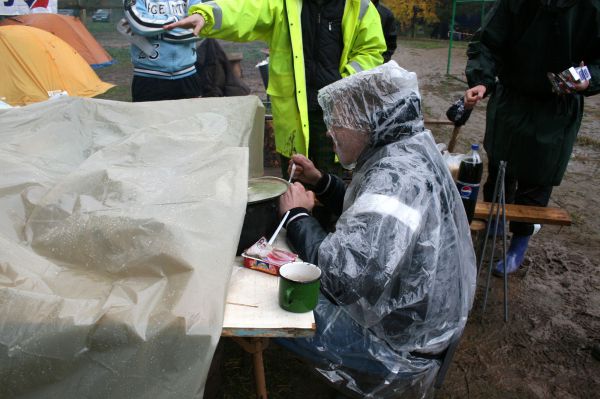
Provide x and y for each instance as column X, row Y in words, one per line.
column 255, row 346
column 453, row 138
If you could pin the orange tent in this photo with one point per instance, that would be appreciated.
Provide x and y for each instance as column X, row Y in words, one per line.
column 69, row 29
column 35, row 64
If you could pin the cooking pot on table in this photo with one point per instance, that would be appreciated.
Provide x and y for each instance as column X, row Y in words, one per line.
column 261, row 218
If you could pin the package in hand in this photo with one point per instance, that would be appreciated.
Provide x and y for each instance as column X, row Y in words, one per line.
column 564, row 82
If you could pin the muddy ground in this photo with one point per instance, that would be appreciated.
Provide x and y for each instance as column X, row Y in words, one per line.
column 544, row 350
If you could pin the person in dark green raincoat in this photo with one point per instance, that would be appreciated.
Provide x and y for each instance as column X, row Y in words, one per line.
column 528, row 125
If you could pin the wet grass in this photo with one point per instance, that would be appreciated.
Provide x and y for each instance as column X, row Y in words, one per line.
column 429, row 43
column 588, row 141
column 98, row 27
column 120, row 55
column 591, row 112
column 118, row 74
column 117, row 93
column 577, row 218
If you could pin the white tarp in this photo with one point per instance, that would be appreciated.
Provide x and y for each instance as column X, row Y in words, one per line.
column 118, row 226
column 20, row 7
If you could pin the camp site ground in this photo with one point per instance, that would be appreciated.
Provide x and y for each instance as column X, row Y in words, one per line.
column 544, row 350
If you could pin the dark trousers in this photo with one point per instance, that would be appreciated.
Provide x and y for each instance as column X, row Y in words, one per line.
column 320, row 152
column 517, row 192
column 154, row 89
column 320, row 147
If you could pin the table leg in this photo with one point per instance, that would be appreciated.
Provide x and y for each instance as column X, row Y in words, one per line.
column 259, row 370
column 256, row 346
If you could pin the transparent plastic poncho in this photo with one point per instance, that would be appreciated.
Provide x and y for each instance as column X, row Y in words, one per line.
column 399, row 270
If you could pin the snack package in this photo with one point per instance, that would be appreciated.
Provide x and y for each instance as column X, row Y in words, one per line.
column 577, row 74
column 265, row 258
column 564, row 82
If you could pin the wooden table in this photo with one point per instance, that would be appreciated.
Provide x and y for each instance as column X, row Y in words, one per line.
column 253, row 315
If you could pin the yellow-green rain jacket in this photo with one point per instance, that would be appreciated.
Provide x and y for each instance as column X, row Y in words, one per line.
column 277, row 22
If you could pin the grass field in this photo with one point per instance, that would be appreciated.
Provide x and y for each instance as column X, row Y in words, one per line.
column 121, row 67
column 430, row 43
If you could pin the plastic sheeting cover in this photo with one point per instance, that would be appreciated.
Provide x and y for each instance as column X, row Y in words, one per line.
column 400, row 265
column 118, row 226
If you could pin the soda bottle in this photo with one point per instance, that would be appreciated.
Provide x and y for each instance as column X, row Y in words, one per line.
column 469, row 178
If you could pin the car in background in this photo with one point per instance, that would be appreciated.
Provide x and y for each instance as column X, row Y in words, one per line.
column 101, row 15
column 71, row 12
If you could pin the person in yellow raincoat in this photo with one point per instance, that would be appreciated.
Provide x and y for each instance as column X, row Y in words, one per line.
column 312, row 43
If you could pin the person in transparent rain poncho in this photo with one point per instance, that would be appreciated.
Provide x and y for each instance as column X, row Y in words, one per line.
column 399, row 270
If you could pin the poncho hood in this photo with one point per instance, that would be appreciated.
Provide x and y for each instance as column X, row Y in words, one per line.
column 383, row 102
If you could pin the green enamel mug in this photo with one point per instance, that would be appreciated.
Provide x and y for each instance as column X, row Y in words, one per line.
column 299, row 286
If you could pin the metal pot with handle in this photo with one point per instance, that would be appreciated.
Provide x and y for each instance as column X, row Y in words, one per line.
column 261, row 218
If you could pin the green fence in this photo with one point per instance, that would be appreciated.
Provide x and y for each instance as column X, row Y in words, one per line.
column 452, row 21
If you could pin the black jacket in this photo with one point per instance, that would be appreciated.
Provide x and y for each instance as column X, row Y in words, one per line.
column 519, row 43
column 307, row 235
column 322, row 43
column 215, row 73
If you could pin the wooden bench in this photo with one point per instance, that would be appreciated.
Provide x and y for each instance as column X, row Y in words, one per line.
column 516, row 213
column 527, row 214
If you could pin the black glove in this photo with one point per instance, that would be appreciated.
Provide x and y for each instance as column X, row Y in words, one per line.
column 457, row 113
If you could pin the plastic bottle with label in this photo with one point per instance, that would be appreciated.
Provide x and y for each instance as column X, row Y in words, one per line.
column 469, row 179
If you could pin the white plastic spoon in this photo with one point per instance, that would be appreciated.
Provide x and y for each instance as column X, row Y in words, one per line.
column 292, row 172
column 274, row 236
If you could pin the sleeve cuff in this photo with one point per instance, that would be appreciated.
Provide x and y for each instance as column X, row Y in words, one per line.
column 208, row 22
column 323, row 184
column 296, row 214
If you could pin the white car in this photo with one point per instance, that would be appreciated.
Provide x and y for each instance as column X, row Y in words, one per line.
column 101, row 16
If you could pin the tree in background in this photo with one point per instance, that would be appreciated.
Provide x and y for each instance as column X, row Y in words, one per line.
column 410, row 13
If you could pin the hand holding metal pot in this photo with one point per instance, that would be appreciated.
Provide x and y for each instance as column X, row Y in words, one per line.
column 296, row 197
column 305, row 171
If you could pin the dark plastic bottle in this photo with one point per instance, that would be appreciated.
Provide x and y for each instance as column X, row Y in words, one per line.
column 469, row 179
